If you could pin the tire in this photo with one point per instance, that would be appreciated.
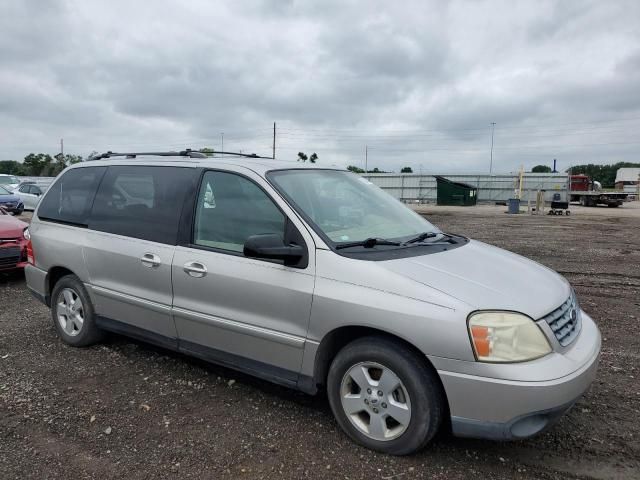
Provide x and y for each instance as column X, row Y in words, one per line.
column 67, row 291
column 419, row 390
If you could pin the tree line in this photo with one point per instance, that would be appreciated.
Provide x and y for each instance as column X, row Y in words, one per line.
column 39, row 165
column 355, row 169
column 605, row 174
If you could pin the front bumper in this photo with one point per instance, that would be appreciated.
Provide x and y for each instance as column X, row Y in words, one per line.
column 15, row 266
column 13, row 256
column 14, row 208
column 506, row 408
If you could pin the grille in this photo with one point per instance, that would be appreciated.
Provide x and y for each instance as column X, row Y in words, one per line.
column 564, row 321
column 9, row 256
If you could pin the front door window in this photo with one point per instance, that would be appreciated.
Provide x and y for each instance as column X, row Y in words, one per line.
column 231, row 208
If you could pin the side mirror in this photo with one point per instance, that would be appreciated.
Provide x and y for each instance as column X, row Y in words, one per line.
column 271, row 246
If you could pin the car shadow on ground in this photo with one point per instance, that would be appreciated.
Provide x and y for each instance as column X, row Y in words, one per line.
column 133, row 349
column 14, row 277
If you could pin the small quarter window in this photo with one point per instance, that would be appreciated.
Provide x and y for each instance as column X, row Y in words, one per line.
column 69, row 199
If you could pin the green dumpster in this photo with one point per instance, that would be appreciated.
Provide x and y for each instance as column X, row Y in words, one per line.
column 455, row 193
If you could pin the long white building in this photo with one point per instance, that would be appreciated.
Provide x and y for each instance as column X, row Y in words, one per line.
column 410, row 187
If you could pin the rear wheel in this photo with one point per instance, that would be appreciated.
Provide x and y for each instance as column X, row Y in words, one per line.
column 385, row 396
column 73, row 314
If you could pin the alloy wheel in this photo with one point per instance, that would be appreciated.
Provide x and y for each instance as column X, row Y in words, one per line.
column 375, row 401
column 70, row 312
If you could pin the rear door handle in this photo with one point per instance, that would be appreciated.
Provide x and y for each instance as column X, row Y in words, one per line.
column 150, row 260
column 195, row 269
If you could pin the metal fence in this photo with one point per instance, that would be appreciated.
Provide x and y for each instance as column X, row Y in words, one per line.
column 410, row 187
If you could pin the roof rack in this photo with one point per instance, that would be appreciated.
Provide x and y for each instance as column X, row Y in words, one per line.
column 183, row 153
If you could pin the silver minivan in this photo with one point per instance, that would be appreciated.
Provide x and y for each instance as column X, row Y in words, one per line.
column 315, row 279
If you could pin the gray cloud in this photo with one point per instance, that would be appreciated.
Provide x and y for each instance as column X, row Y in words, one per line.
column 418, row 82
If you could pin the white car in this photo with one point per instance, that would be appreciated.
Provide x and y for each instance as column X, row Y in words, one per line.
column 30, row 194
column 10, row 182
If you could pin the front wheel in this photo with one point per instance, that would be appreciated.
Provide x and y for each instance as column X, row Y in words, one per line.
column 385, row 396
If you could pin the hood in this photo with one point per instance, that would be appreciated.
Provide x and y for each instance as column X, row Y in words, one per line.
column 487, row 278
column 9, row 198
column 11, row 227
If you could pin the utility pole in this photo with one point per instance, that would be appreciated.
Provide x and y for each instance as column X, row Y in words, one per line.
column 222, row 147
column 366, row 159
column 62, row 147
column 274, row 141
column 493, row 126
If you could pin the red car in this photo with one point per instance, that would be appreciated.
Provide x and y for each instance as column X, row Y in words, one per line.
column 13, row 242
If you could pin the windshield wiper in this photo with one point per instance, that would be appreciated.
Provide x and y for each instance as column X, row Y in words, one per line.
column 420, row 238
column 368, row 243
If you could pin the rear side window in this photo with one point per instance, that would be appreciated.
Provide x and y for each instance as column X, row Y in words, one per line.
column 142, row 202
column 69, row 199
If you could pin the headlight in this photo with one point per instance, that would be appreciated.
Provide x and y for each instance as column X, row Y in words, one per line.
column 506, row 337
column 26, row 234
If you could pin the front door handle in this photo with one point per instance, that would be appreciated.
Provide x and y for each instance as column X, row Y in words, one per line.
column 150, row 260
column 195, row 269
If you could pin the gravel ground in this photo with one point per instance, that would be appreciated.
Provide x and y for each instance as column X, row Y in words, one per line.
column 127, row 410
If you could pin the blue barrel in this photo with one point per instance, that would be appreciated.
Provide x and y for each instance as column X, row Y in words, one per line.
column 514, row 205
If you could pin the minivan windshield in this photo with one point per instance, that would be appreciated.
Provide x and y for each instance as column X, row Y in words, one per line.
column 348, row 208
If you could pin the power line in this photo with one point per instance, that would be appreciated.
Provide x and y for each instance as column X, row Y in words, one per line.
column 534, row 134
column 476, row 129
column 446, row 148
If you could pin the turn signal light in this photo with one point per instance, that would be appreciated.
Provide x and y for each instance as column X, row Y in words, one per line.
column 481, row 340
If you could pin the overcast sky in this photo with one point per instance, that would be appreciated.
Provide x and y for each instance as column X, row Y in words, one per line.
column 418, row 82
